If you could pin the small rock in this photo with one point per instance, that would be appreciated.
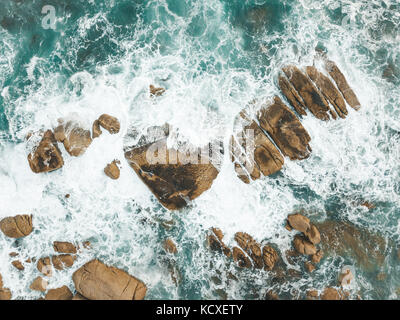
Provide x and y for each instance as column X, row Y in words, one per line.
column 62, row 293
column 112, row 170
column 63, row 260
column 346, row 276
column 64, row 247
column 330, row 294
column 299, row 222
column 156, row 92
column 170, row 246
column 13, row 254
column 241, row 259
column 309, row 266
column 316, row 258
column 17, row 227
column 96, row 130
column 39, row 284
column 18, row 265
column 45, row 267
column 110, row 123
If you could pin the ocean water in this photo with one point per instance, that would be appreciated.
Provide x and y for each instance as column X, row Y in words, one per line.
column 213, row 57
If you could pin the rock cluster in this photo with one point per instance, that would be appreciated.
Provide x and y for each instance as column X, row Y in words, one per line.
column 248, row 254
column 97, row 281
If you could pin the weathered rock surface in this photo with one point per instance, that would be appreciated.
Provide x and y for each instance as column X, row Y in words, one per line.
column 39, row 284
column 170, row 246
column 18, row 265
column 46, row 156
column 346, row 240
column 328, row 89
column 45, row 267
column 64, row 247
column 156, row 92
column 299, row 222
column 62, row 293
column 169, row 174
column 342, row 84
column 310, row 94
column 303, row 246
column 242, row 260
column 286, row 130
column 17, row 227
column 252, row 151
column 75, row 139
column 63, row 260
column 96, row 130
column 316, row 258
column 292, row 95
column 97, row 281
column 270, row 257
column 110, row 123
column 112, row 170
column 313, row 235
column 216, row 243
column 251, row 247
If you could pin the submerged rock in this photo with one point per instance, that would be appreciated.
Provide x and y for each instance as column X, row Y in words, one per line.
column 17, row 227
column 75, row 139
column 170, row 246
column 110, row 123
column 174, row 177
column 46, row 156
column 286, row 130
column 62, row 293
column 97, row 281
column 112, row 170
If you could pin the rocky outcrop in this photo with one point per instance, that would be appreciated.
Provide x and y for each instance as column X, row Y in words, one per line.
column 112, row 170
column 110, row 123
column 45, row 156
column 253, row 153
column 62, row 293
column 313, row 90
column 216, row 243
column 286, row 130
column 5, row 293
column 172, row 176
column 156, row 92
column 39, row 284
column 75, row 139
column 97, row 281
column 17, row 227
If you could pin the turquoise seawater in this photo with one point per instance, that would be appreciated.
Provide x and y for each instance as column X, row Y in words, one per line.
column 213, row 57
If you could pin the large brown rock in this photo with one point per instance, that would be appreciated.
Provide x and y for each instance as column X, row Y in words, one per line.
column 252, row 151
column 299, row 222
column 46, row 156
column 310, row 94
column 97, row 281
column 169, row 174
column 17, row 227
column 345, row 239
column 110, row 123
column 328, row 89
column 62, row 293
column 75, row 139
column 251, row 247
column 342, row 84
column 64, row 247
column 285, row 129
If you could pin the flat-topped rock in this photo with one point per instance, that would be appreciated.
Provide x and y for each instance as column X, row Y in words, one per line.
column 252, row 151
column 310, row 94
column 17, row 227
column 97, row 281
column 171, row 175
column 285, row 129
column 45, row 156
